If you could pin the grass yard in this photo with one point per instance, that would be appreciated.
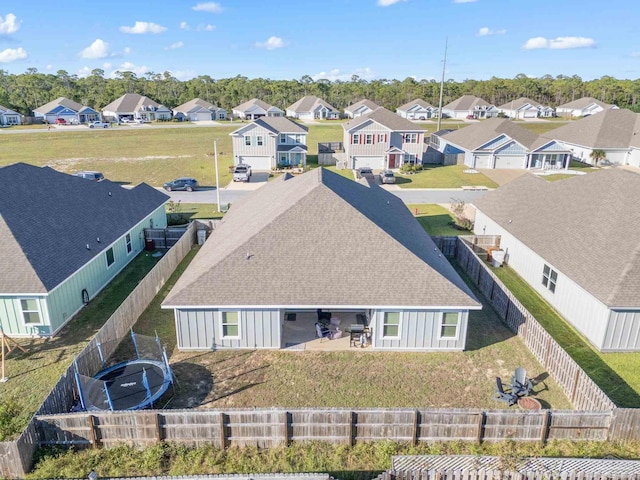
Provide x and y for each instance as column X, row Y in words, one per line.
column 542, row 127
column 615, row 373
column 437, row 176
column 436, row 220
column 179, row 213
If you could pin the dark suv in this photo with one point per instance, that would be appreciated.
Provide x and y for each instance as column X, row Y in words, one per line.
column 365, row 172
column 89, row 175
column 185, row 183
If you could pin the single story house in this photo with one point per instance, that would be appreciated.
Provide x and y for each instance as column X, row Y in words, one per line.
column 382, row 140
column 254, row 109
column 62, row 240
column 9, row 117
column 198, row 110
column 469, row 106
column 614, row 131
column 270, row 142
column 500, row 143
column 582, row 107
column 524, row 108
column 311, row 107
column 580, row 256
column 417, row 109
column 133, row 106
column 67, row 110
column 320, row 241
column 360, row 108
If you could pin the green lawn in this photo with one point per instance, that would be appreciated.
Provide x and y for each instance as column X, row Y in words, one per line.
column 436, row 220
column 179, row 213
column 437, row 176
column 615, row 373
column 542, row 127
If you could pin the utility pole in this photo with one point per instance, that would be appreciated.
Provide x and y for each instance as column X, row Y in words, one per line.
column 215, row 156
column 444, row 65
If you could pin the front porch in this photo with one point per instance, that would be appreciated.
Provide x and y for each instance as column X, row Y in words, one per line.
column 299, row 331
column 295, row 156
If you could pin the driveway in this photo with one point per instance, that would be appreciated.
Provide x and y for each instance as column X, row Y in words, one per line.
column 256, row 180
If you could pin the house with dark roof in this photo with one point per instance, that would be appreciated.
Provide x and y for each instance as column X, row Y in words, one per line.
column 270, row 142
column 302, row 246
column 360, row 108
column 133, row 106
column 9, row 117
column 585, row 262
column 381, row 140
column 62, row 240
column 417, row 109
column 582, row 107
column 614, row 131
column 524, row 108
column 311, row 107
column 469, row 106
column 501, row 143
column 255, row 108
column 198, row 110
column 68, row 110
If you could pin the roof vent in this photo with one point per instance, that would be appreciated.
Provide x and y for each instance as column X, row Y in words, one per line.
column 88, row 247
column 249, row 255
column 109, row 193
column 98, row 239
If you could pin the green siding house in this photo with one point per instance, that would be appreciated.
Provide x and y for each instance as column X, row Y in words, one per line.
column 62, row 240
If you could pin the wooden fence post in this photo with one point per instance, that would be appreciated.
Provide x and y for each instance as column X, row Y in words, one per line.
column 548, row 349
column 285, row 428
column 223, row 433
column 544, row 431
column 158, row 429
column 353, row 429
column 575, row 386
column 92, row 431
column 480, row 430
column 416, row 424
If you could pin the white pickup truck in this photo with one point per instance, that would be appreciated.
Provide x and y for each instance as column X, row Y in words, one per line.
column 98, row 124
column 242, row 173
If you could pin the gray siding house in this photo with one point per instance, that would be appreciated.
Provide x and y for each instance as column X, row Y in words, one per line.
column 360, row 108
column 311, row 107
column 9, row 117
column 524, row 108
column 469, row 106
column 582, row 107
column 381, row 139
column 417, row 109
column 67, row 110
column 198, row 110
column 254, row 109
column 62, row 240
column 270, row 142
column 133, row 106
column 583, row 261
column 305, row 243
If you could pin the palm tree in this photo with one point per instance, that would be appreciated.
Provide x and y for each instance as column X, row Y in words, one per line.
column 597, row 156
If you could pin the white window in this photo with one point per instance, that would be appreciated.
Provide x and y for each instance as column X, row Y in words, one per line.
column 549, row 278
column 298, row 139
column 259, row 140
column 247, row 140
column 110, row 257
column 30, row 311
column 283, row 138
column 391, row 325
column 368, row 139
column 410, row 138
column 382, row 138
column 449, row 325
column 355, row 138
column 230, row 324
column 127, row 239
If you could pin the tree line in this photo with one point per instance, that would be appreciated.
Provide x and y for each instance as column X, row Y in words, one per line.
column 27, row 91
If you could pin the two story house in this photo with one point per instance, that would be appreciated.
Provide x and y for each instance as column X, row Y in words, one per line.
column 382, row 140
column 256, row 108
column 269, row 142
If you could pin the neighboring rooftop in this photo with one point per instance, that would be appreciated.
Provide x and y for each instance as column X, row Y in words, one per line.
column 386, row 118
column 130, row 102
column 308, row 103
column 412, row 103
column 195, row 104
column 366, row 103
column 519, row 102
column 466, row 102
column 478, row 134
column 586, row 227
column 253, row 102
column 276, row 125
column 584, row 102
column 60, row 101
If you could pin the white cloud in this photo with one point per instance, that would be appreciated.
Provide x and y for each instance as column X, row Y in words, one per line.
column 143, row 27
column 12, row 54
column 184, row 74
column 184, row 26
column 335, row 74
column 271, row 44
column 126, row 51
column 49, row 67
column 175, row 45
column 107, row 65
column 211, row 7
column 484, row 31
column 129, row 67
column 10, row 24
column 464, row 1
column 559, row 43
column 206, row 28
column 98, row 49
column 84, row 72
column 386, row 3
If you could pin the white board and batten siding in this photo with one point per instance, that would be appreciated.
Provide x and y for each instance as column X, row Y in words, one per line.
column 419, row 330
column 587, row 314
column 202, row 330
column 623, row 331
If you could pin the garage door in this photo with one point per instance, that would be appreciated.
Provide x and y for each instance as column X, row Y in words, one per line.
column 509, row 161
column 377, row 163
column 482, row 161
column 257, row 163
column 200, row 116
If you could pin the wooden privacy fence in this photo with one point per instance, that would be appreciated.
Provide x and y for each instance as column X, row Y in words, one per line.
column 16, row 457
column 271, row 427
column 464, row 474
column 577, row 385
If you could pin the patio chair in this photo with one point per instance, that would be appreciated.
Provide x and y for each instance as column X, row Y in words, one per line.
column 520, row 384
column 500, row 395
column 323, row 332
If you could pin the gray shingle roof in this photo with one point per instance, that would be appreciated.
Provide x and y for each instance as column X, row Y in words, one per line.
column 130, row 102
column 254, row 101
column 276, row 125
column 417, row 101
column 466, row 102
column 320, row 239
column 387, row 119
column 593, row 241
column 308, row 103
column 192, row 105
column 65, row 102
column 611, row 128
column 47, row 218
column 7, row 111
column 584, row 102
column 476, row 135
column 365, row 102
column 519, row 102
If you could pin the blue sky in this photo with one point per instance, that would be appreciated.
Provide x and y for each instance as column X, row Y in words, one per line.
column 332, row 39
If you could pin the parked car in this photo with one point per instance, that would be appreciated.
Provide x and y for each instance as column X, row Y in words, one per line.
column 242, row 173
column 365, row 172
column 387, row 176
column 185, row 183
column 98, row 124
column 61, row 121
column 90, row 175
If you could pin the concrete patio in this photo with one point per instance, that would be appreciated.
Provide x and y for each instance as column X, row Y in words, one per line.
column 300, row 334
